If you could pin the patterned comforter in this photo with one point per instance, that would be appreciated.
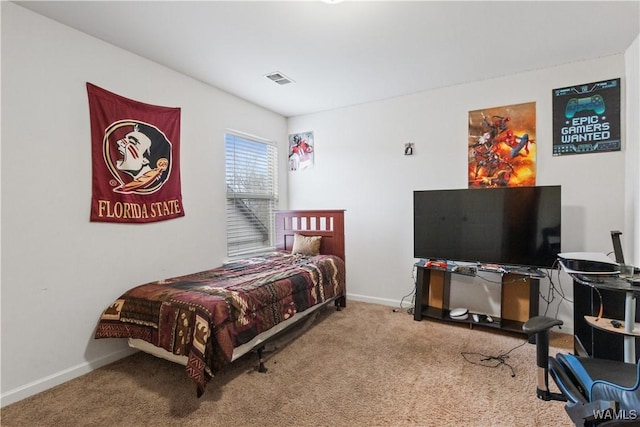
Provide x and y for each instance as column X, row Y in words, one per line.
column 206, row 315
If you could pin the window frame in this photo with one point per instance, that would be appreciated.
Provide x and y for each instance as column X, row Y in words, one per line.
column 241, row 218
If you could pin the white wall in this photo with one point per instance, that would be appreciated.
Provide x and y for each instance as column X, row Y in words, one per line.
column 360, row 167
column 59, row 271
column 632, row 208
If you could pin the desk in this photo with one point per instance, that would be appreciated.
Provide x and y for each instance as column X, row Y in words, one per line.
column 606, row 324
column 599, row 338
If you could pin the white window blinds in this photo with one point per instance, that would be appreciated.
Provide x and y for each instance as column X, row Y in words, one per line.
column 252, row 193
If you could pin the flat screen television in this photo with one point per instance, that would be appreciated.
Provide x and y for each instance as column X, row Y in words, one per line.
column 519, row 226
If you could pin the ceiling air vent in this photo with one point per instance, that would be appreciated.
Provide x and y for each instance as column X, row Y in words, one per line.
column 279, row 78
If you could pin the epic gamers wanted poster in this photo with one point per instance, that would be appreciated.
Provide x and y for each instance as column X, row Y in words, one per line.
column 586, row 118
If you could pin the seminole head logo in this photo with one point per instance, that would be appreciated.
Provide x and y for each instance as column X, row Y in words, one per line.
column 138, row 155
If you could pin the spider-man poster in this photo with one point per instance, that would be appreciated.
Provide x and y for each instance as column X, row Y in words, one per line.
column 501, row 146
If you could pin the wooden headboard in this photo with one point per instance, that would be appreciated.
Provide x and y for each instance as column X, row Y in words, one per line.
column 326, row 223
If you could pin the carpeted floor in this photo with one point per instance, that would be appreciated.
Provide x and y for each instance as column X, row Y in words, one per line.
column 363, row 366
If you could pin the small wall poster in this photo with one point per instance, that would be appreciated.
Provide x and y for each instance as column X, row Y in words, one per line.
column 301, row 151
column 408, row 149
column 586, row 118
column 501, row 146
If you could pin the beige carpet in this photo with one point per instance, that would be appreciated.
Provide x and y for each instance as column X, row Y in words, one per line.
column 363, row 366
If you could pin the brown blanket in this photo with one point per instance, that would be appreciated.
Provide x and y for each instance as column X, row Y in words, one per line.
column 206, row 315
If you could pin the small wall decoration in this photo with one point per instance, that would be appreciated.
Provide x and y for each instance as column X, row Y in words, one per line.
column 501, row 146
column 135, row 159
column 408, row 149
column 586, row 118
column 301, row 151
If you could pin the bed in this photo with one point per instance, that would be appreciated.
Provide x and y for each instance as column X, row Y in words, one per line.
column 207, row 319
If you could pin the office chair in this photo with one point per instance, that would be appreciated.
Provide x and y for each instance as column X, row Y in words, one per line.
column 598, row 392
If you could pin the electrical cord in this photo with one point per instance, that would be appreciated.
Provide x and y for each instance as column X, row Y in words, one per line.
column 600, row 312
column 591, row 284
column 412, row 294
column 554, row 291
column 500, row 359
column 522, row 279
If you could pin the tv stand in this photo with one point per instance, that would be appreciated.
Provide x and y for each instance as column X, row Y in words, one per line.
column 518, row 302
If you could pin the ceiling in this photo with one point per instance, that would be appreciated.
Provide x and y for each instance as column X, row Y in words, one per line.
column 351, row 52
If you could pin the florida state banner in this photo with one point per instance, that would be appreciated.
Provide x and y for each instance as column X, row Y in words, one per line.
column 135, row 159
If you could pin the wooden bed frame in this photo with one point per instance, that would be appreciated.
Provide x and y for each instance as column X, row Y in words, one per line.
column 326, row 223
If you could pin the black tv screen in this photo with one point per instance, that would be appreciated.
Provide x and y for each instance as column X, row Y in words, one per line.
column 506, row 226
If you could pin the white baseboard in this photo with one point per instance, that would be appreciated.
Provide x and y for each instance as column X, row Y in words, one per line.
column 567, row 330
column 374, row 300
column 58, row 378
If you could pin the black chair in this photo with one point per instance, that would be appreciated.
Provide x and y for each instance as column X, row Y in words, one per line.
column 598, row 392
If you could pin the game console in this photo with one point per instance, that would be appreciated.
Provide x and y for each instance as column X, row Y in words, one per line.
column 459, row 314
column 588, row 263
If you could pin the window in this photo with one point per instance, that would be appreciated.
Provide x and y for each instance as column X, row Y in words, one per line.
column 252, row 193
